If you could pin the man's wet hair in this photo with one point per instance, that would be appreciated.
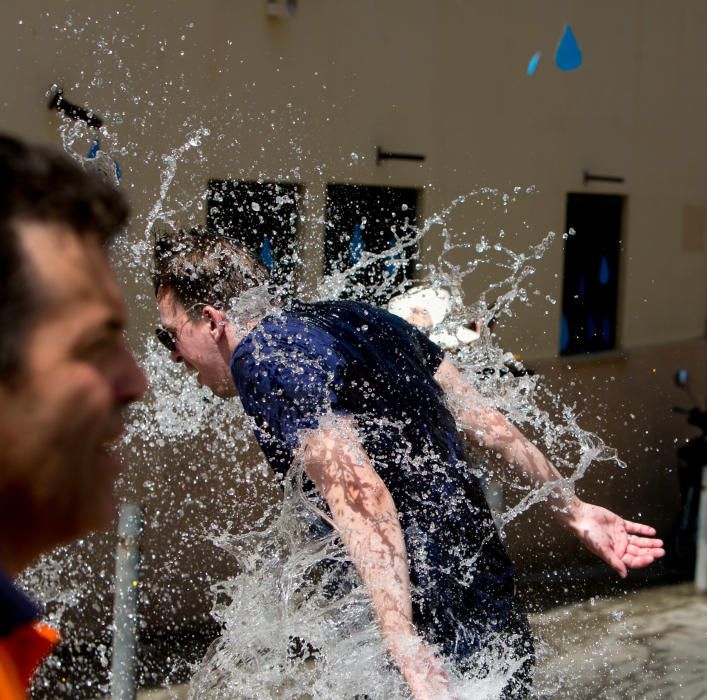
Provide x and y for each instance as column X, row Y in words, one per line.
column 42, row 185
column 199, row 266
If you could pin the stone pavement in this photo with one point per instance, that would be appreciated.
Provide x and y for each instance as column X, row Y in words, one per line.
column 650, row 643
column 643, row 645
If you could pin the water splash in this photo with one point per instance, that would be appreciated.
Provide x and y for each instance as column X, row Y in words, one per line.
column 284, row 574
column 297, row 623
column 283, row 571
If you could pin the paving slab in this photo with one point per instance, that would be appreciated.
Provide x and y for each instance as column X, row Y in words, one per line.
column 647, row 644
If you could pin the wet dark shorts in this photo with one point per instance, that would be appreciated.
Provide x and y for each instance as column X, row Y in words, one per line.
column 511, row 647
column 467, row 654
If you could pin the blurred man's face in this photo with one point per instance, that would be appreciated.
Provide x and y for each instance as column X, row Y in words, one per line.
column 67, row 405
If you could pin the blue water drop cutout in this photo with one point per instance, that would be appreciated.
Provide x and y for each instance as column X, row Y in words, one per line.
column 533, row 64
column 604, row 273
column 568, row 55
column 392, row 260
column 564, row 334
column 266, row 253
column 581, row 287
column 356, row 246
column 93, row 151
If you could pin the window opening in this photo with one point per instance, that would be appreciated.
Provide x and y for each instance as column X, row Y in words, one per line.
column 263, row 217
column 369, row 219
column 591, row 273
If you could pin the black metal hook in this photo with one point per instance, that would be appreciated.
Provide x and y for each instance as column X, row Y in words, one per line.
column 58, row 102
column 591, row 177
column 387, row 155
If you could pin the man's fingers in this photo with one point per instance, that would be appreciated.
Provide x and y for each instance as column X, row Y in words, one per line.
column 639, row 529
column 635, row 551
column 646, row 542
column 615, row 562
column 638, row 562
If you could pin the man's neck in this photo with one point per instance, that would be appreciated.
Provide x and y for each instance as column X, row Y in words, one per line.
column 236, row 333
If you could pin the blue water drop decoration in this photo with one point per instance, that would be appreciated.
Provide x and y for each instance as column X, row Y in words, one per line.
column 93, row 151
column 392, row 261
column 591, row 327
column 604, row 272
column 564, row 334
column 266, row 253
column 356, row 247
column 533, row 64
column 606, row 332
column 581, row 287
column 568, row 55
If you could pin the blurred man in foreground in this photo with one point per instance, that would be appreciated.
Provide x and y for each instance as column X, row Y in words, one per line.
column 371, row 410
column 66, row 375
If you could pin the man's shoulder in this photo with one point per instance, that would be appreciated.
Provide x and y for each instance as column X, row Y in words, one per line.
column 286, row 339
column 293, row 325
column 342, row 314
column 303, row 332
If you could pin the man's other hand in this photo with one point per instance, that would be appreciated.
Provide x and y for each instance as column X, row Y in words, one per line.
column 622, row 544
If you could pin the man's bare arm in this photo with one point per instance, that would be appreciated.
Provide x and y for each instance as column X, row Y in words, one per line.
column 489, row 428
column 366, row 518
column 620, row 543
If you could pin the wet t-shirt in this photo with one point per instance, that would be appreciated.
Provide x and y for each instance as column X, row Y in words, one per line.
column 307, row 361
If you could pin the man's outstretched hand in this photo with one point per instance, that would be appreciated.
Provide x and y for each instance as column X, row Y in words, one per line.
column 622, row 544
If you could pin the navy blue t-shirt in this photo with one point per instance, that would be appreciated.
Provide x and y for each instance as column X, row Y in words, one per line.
column 343, row 357
column 16, row 609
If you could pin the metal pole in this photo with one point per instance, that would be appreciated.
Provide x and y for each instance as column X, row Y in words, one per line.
column 701, row 563
column 125, row 602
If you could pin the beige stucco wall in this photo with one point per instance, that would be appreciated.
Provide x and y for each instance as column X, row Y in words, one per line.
column 292, row 99
column 446, row 79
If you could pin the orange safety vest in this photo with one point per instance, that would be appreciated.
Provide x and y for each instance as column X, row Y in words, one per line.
column 21, row 652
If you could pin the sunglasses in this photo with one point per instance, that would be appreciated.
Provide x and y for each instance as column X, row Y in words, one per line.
column 167, row 338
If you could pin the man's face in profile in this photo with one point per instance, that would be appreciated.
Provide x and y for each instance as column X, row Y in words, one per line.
column 67, row 404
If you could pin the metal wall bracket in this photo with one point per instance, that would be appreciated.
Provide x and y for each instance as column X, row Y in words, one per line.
column 58, row 102
column 388, row 155
column 591, row 177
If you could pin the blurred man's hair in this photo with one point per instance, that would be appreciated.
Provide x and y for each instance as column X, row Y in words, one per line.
column 41, row 185
column 199, row 266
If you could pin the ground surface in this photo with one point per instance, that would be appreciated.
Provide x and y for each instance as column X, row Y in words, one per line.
column 646, row 644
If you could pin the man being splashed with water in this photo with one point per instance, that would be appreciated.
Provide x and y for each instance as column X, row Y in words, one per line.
column 371, row 410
